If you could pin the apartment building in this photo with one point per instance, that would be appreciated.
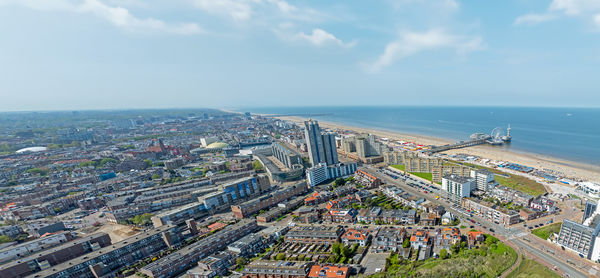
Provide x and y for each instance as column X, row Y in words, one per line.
column 187, row 257
column 254, row 206
column 33, row 263
column 314, row 235
column 105, row 261
column 276, row 269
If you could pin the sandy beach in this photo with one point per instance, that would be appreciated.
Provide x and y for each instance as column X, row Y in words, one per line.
column 570, row 169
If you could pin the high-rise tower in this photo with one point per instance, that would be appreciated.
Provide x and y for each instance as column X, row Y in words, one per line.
column 321, row 146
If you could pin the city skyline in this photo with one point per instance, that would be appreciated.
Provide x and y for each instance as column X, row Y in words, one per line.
column 107, row 54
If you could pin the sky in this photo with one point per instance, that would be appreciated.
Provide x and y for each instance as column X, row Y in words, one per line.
column 120, row 54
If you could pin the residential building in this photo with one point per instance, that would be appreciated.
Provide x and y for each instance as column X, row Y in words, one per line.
column 11, row 230
column 420, row 239
column 457, row 187
column 317, row 198
column 447, row 237
column 474, row 238
column 47, row 258
column 30, row 247
column 483, row 179
column 343, row 216
column 188, row 256
column 174, row 163
column 254, row 206
column 578, row 238
column 247, row 246
column 211, row 266
column 329, row 271
column 105, row 261
column 179, row 215
column 367, row 180
column 388, row 239
column 321, row 146
column 286, row 155
column 323, row 172
column 354, row 236
column 497, row 214
column 314, row 234
column 278, row 269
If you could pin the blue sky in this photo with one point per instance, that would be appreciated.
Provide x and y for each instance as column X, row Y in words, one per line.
column 97, row 54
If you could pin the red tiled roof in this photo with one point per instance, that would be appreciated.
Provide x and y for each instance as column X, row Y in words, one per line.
column 328, row 271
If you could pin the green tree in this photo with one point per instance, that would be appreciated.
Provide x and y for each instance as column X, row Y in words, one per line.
column 346, row 252
column 241, row 261
column 336, row 248
column 257, row 166
column 339, row 182
column 443, row 254
column 156, row 176
column 106, row 160
column 5, row 239
column 148, row 162
column 280, row 256
column 406, row 243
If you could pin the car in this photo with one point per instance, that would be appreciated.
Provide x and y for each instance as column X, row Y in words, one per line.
column 530, row 227
column 492, row 230
column 471, row 226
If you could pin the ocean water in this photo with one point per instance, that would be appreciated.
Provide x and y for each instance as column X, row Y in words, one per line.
column 566, row 133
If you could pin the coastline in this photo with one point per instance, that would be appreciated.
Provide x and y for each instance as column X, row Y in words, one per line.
column 571, row 169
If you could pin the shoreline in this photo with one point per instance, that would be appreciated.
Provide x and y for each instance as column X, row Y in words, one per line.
column 570, row 169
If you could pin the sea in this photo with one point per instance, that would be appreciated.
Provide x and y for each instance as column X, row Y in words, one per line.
column 566, row 133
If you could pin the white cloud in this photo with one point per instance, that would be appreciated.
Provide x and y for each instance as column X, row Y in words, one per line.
column 118, row 16
column 238, row 10
column 574, row 7
column 447, row 6
column 411, row 43
column 586, row 9
column 533, row 18
column 320, row 37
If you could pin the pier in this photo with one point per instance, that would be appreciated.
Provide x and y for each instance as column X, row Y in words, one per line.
column 494, row 138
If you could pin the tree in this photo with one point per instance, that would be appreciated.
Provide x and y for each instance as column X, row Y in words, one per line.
column 489, row 240
column 443, row 254
column 5, row 239
column 456, row 248
column 148, row 162
column 156, row 176
column 241, row 261
column 346, row 252
column 107, row 160
column 336, row 248
column 257, row 166
column 406, row 243
column 339, row 182
column 280, row 256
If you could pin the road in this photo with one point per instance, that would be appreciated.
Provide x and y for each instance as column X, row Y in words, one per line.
column 513, row 235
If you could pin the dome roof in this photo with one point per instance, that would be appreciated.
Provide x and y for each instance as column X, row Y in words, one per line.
column 217, row 145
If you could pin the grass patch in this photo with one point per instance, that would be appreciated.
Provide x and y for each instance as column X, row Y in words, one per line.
column 546, row 231
column 490, row 260
column 517, row 182
column 532, row 269
column 522, row 184
column 400, row 167
column 427, row 176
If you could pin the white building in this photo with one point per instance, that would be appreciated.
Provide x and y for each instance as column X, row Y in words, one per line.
column 320, row 173
column 205, row 141
column 483, row 179
column 457, row 187
column 591, row 188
